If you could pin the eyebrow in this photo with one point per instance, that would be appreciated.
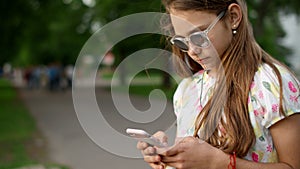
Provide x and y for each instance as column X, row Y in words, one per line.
column 198, row 28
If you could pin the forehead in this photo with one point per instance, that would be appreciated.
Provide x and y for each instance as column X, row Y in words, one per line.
column 186, row 21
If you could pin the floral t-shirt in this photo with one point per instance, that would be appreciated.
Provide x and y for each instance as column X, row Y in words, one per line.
column 263, row 103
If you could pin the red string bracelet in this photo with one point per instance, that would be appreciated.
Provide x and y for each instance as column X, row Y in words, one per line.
column 232, row 163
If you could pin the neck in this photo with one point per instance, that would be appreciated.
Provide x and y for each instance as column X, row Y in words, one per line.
column 212, row 72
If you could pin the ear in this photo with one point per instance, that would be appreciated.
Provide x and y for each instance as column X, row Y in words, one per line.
column 235, row 15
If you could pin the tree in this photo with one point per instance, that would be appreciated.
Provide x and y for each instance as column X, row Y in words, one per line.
column 265, row 17
column 42, row 31
column 106, row 11
column 14, row 15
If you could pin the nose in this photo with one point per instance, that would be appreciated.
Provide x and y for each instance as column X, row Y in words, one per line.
column 194, row 50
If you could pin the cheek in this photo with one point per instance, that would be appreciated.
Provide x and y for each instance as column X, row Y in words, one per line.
column 221, row 40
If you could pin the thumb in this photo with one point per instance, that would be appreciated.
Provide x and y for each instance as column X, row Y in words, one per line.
column 178, row 139
column 161, row 136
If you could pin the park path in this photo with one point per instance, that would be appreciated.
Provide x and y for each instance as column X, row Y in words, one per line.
column 67, row 143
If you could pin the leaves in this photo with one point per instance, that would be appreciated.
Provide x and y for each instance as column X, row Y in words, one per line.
column 267, row 85
column 42, row 31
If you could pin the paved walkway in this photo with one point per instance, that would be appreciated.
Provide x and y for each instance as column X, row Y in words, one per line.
column 68, row 144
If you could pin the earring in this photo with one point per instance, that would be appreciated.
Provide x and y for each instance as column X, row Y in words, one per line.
column 234, row 31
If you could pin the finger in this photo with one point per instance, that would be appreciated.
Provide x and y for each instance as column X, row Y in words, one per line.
column 149, row 151
column 157, row 166
column 176, row 149
column 174, row 164
column 164, row 140
column 178, row 139
column 161, row 151
column 152, row 159
column 142, row 145
column 186, row 139
column 170, row 159
column 161, row 136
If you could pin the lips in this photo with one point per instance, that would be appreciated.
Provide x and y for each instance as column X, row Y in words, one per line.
column 202, row 60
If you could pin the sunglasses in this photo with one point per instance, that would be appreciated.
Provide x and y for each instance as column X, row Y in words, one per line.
column 199, row 39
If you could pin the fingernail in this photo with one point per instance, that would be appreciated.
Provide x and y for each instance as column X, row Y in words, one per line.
column 151, row 151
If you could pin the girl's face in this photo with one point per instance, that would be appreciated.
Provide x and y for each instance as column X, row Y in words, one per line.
column 220, row 36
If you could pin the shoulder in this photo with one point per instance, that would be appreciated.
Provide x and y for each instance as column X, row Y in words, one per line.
column 187, row 82
column 266, row 92
column 267, row 77
column 186, row 85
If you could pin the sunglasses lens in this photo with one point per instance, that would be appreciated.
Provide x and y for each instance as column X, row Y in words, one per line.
column 180, row 44
column 200, row 40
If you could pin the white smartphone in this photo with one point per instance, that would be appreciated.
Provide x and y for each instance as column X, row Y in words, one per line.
column 142, row 135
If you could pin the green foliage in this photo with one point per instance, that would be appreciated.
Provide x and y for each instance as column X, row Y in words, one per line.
column 12, row 25
column 109, row 10
column 145, row 90
column 264, row 16
column 145, row 82
column 44, row 31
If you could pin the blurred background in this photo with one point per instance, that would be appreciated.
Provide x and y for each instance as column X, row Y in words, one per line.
column 40, row 42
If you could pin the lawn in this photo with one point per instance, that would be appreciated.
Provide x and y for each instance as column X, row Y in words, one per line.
column 16, row 127
column 142, row 84
column 17, row 131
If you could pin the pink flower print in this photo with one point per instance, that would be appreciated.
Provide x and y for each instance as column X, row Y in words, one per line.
column 199, row 108
column 262, row 111
column 275, row 108
column 269, row 148
column 294, row 98
column 256, row 113
column 255, row 157
column 194, row 87
column 292, row 87
column 260, row 94
column 252, row 85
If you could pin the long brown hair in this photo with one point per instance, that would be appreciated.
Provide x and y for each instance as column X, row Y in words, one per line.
column 240, row 62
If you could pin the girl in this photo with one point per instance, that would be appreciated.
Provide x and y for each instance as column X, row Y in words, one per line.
column 240, row 107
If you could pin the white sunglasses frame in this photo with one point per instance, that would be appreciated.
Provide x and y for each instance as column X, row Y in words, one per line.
column 186, row 40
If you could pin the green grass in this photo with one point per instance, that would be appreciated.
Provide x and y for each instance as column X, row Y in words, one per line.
column 145, row 90
column 144, row 83
column 17, row 131
column 16, row 127
column 7, row 91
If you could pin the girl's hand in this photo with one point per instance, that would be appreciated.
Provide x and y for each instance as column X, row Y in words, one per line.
column 193, row 153
column 150, row 153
